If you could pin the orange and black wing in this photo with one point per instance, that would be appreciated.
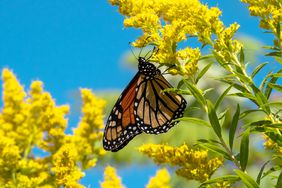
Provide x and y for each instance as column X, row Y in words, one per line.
column 155, row 110
column 121, row 125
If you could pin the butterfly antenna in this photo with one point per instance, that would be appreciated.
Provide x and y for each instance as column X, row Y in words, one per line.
column 148, row 53
column 168, row 69
column 153, row 52
column 130, row 47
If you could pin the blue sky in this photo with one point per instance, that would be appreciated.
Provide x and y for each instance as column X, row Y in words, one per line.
column 69, row 44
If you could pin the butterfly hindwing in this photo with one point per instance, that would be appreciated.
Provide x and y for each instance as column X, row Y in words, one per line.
column 155, row 110
column 121, row 126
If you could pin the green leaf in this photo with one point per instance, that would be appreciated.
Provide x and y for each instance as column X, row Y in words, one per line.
column 212, row 141
column 257, row 123
column 275, row 86
column 257, row 69
column 227, row 118
column 198, row 94
column 271, row 170
column 216, row 149
column 260, row 98
column 261, row 171
column 271, row 48
column 242, row 56
column 236, row 86
column 244, row 78
column 278, row 54
column 220, row 99
column 202, row 73
column 214, row 119
column 264, row 81
column 247, row 180
column 208, row 56
column 279, row 181
column 247, row 112
column 229, row 178
column 268, row 89
column 233, row 127
column 277, row 75
column 244, row 150
column 195, row 121
column 180, row 84
column 178, row 91
column 244, row 95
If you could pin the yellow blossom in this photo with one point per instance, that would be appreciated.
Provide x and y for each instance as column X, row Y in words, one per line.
column 34, row 120
column 166, row 23
column 111, row 180
column 161, row 180
column 270, row 13
column 270, row 145
column 225, row 47
column 46, row 117
column 88, row 134
column 66, row 171
column 193, row 164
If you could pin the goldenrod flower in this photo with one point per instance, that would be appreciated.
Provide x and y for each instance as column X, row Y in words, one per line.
column 270, row 145
column 34, row 119
column 88, row 134
column 161, row 180
column 111, row 180
column 166, row 23
column 46, row 119
column 193, row 164
column 270, row 12
column 66, row 171
column 225, row 48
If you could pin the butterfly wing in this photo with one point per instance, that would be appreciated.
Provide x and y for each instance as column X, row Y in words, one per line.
column 154, row 109
column 121, row 126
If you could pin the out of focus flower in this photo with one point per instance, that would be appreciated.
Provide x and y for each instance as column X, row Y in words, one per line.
column 269, row 11
column 270, row 145
column 161, row 180
column 111, row 180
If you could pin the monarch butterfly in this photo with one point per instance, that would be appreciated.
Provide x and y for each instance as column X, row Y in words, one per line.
column 142, row 107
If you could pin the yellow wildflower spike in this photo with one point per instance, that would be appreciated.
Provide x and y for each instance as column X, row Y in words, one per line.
column 161, row 180
column 111, row 180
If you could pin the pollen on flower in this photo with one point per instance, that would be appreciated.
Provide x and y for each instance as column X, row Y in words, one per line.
column 111, row 180
column 193, row 164
column 161, row 180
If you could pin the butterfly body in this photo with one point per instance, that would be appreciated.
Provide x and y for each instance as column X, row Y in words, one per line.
column 142, row 107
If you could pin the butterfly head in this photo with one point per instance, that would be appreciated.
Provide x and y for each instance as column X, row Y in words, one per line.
column 147, row 68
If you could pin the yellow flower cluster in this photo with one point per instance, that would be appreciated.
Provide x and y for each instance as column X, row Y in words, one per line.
column 88, row 134
column 270, row 145
column 225, row 48
column 34, row 120
column 161, row 180
column 194, row 164
column 111, row 180
column 270, row 12
column 67, row 173
column 167, row 23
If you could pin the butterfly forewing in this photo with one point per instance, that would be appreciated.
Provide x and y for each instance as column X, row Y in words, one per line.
column 155, row 110
column 121, row 126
